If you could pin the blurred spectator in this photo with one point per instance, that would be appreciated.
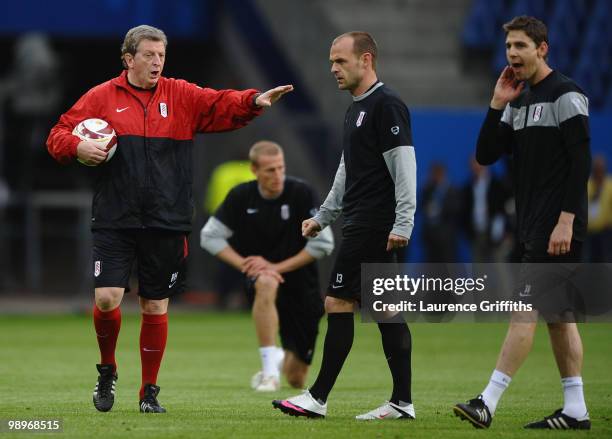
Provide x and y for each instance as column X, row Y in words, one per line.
column 33, row 92
column 599, row 232
column 30, row 95
column 483, row 219
column 440, row 207
column 4, row 238
column 227, row 282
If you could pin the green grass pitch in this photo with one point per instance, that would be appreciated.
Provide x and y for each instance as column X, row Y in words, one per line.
column 47, row 372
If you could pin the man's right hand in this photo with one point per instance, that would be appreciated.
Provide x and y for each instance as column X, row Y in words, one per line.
column 90, row 153
column 506, row 90
column 310, row 228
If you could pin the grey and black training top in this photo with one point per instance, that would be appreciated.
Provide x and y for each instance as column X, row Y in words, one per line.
column 375, row 184
column 546, row 130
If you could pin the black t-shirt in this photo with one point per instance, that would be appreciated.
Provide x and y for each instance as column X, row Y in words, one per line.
column 271, row 228
column 375, row 123
column 546, row 130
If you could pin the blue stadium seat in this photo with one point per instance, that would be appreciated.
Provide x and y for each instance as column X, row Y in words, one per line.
column 591, row 81
column 607, row 104
column 535, row 8
column 482, row 23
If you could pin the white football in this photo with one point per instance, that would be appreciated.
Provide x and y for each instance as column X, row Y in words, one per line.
column 99, row 132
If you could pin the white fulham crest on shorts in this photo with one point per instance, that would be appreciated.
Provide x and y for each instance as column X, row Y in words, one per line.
column 163, row 109
column 285, row 212
column 97, row 268
column 395, row 130
column 360, row 118
column 537, row 113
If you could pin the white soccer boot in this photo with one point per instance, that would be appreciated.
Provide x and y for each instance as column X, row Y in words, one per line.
column 268, row 384
column 389, row 411
column 301, row 405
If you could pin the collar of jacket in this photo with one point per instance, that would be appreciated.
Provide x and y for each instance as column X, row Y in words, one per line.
column 121, row 81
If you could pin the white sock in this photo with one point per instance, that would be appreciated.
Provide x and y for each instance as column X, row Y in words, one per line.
column 269, row 361
column 573, row 398
column 280, row 358
column 492, row 393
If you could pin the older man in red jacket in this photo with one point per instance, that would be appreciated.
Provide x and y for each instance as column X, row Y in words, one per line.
column 142, row 205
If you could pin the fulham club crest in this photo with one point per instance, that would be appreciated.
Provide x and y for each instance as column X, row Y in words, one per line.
column 97, row 268
column 163, row 109
column 360, row 118
column 285, row 212
column 537, row 113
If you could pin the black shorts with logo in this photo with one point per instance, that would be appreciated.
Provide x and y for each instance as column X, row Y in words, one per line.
column 299, row 313
column 360, row 245
column 546, row 282
column 160, row 255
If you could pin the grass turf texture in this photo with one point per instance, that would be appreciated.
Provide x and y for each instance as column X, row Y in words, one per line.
column 47, row 372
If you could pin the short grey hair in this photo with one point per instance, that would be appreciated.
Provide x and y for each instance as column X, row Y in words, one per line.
column 136, row 34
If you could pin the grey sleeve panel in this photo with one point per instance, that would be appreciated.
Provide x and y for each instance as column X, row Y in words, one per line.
column 322, row 245
column 401, row 162
column 332, row 206
column 572, row 104
column 507, row 117
column 214, row 236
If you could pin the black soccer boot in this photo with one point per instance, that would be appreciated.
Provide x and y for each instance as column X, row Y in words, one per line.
column 475, row 412
column 104, row 392
column 560, row 421
column 149, row 403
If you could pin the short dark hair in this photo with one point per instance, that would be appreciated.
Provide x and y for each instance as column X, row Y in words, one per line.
column 534, row 28
column 363, row 42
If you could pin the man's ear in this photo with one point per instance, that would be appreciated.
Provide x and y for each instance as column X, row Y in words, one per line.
column 128, row 60
column 543, row 49
column 367, row 59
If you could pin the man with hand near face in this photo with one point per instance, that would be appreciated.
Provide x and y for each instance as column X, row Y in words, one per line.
column 540, row 117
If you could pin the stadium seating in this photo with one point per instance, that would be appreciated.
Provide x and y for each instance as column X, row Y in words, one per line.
column 580, row 38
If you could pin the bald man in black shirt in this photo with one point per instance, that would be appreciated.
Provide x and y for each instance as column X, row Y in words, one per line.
column 375, row 188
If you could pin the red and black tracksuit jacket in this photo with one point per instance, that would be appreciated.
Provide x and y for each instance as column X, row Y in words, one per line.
column 148, row 182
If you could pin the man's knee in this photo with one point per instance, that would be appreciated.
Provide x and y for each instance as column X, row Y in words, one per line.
column 522, row 331
column 157, row 307
column 108, row 299
column 568, row 330
column 266, row 282
column 266, row 288
column 334, row 305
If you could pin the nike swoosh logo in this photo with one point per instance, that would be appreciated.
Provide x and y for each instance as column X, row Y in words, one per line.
column 150, row 350
column 384, row 416
column 101, row 336
column 171, row 285
column 252, row 211
column 119, row 110
column 402, row 412
column 337, row 286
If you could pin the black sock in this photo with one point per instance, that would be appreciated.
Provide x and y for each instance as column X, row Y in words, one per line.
column 338, row 343
column 397, row 344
